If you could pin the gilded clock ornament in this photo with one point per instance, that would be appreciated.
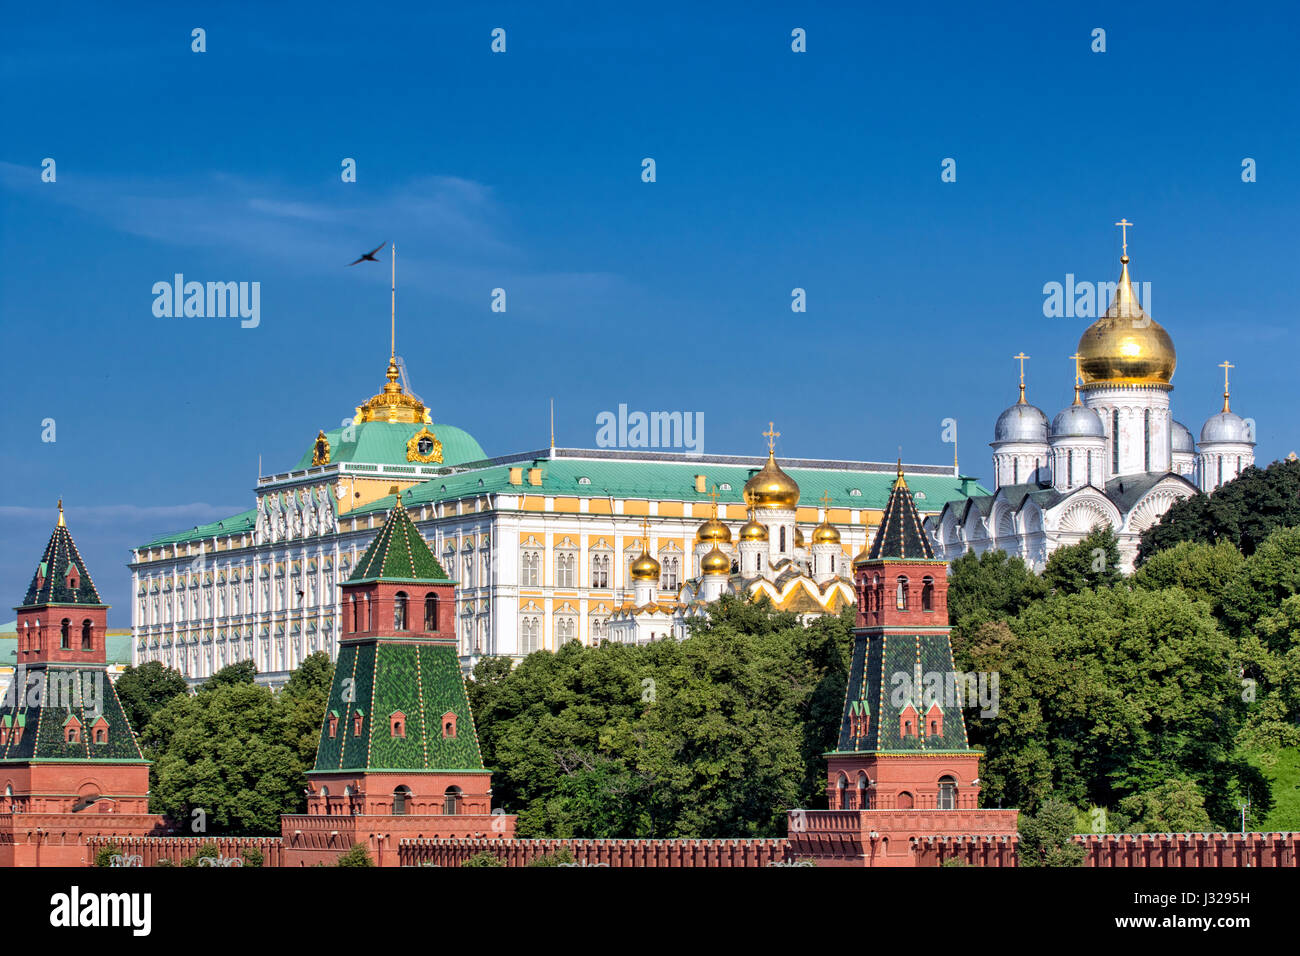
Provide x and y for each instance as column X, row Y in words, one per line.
column 321, row 453
column 424, row 447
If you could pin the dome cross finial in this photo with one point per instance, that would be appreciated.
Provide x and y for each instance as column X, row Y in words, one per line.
column 1078, row 376
column 713, row 497
column 61, row 524
column 1123, row 225
column 1022, row 358
column 1225, row 365
column 771, row 435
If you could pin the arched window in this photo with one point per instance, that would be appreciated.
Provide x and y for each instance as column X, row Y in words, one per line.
column 947, row 793
column 927, row 594
column 864, row 792
column 783, row 539
column 901, row 594
column 397, row 724
column 842, row 791
column 65, row 628
column 449, row 724
column 356, row 621
column 451, row 801
column 72, row 733
column 431, row 612
column 905, row 801
column 101, row 735
column 400, row 797
column 1069, row 468
column 86, row 633
column 399, row 611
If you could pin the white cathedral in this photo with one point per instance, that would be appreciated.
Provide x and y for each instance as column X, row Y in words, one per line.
column 1115, row 457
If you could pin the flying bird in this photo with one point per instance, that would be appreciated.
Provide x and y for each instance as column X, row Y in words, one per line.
column 369, row 256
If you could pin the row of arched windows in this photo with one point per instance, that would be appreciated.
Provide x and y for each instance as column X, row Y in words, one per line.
column 859, row 796
column 363, row 620
column 902, row 594
column 33, row 636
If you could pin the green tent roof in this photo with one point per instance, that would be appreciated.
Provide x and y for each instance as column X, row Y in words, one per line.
column 398, row 553
column 384, row 443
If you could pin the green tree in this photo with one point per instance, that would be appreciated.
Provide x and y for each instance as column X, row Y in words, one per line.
column 302, row 703
column 1245, row 512
column 986, row 588
column 1046, row 839
column 1267, row 578
column 1175, row 806
column 484, row 858
column 223, row 752
column 1091, row 563
column 554, row 858
column 1202, row 570
column 104, row 855
column 242, row 672
column 356, row 856
column 144, row 689
column 1108, row 693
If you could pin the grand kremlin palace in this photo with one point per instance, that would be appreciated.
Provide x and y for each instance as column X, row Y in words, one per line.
column 542, row 544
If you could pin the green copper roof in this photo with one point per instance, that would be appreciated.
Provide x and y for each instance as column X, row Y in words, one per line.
column 50, row 580
column 604, row 478
column 398, row 553
column 377, row 679
column 384, row 443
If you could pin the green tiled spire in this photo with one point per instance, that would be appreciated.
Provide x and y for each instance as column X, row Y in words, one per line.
column 46, row 700
column 377, row 679
column 50, row 583
column 398, row 553
column 900, row 536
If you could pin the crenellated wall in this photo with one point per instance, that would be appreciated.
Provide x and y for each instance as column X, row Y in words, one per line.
column 147, row 851
column 623, row 853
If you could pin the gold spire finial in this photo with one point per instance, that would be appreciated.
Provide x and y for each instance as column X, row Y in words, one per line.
column 1078, row 376
column 1021, row 358
column 771, row 435
column 645, row 534
column 825, row 499
column 713, row 495
column 61, row 524
column 1225, row 365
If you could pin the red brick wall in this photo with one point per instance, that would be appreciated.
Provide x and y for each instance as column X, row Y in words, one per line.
column 152, row 849
column 648, row 853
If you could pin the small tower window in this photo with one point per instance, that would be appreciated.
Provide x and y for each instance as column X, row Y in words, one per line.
column 87, row 631
column 72, row 731
column 927, row 594
column 397, row 724
column 449, row 724
column 65, row 636
column 451, row 801
column 399, row 611
column 357, row 721
column 334, row 725
column 901, row 594
column 431, row 612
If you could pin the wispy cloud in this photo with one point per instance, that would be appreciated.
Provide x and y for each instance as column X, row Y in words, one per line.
column 452, row 233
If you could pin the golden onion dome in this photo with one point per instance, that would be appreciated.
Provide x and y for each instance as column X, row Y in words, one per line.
column 1126, row 346
column 751, row 530
column 645, row 568
column 798, row 538
column 825, row 533
column 772, row 488
column 713, row 530
column 715, row 562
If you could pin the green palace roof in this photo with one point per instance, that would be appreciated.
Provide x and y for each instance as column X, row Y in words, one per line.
column 384, row 443
column 598, row 477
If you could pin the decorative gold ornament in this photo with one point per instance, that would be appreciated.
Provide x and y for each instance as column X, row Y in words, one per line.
column 424, row 447
column 393, row 405
column 321, row 453
column 826, row 533
column 645, row 568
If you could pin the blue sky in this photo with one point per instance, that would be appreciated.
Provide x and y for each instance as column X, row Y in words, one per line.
column 521, row 170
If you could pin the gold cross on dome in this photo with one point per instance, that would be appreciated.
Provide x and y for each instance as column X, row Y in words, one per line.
column 713, row 495
column 825, row 499
column 1022, row 358
column 1225, row 365
column 1124, row 224
column 771, row 435
column 1077, row 373
column 645, row 530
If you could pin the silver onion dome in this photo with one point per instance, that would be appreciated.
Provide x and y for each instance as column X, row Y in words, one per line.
column 1021, row 422
column 1077, row 421
column 1226, row 427
column 1181, row 439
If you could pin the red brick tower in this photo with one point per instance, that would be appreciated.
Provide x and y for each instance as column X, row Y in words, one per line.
column 70, row 767
column 398, row 755
column 902, row 773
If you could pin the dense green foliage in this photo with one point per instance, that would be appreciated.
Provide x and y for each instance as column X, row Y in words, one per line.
column 483, row 858
column 232, row 757
column 1045, row 837
column 1243, row 512
column 145, row 689
column 356, row 856
column 714, row 736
